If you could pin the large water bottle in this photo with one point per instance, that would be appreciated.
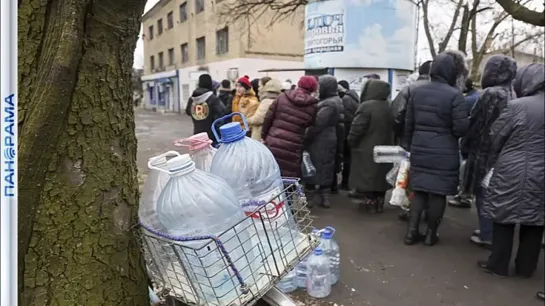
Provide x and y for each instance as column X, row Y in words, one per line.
column 319, row 275
column 287, row 283
column 332, row 252
column 195, row 203
column 200, row 149
column 253, row 173
column 307, row 167
column 301, row 269
column 389, row 154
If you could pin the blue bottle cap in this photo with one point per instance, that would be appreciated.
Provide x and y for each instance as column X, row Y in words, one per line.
column 232, row 132
column 318, row 251
column 328, row 232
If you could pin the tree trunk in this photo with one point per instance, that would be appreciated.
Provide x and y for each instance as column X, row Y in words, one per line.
column 78, row 193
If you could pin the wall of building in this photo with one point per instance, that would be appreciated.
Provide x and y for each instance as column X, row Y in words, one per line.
column 354, row 76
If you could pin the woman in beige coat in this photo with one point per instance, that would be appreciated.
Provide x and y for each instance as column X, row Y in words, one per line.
column 267, row 95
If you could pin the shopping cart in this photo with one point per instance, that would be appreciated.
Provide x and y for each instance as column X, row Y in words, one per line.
column 182, row 271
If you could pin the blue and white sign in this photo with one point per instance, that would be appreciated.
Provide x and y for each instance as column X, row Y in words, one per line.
column 361, row 34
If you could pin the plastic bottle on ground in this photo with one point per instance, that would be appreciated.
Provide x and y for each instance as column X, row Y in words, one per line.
column 287, row 283
column 200, row 149
column 190, row 205
column 301, row 269
column 319, row 275
column 332, row 252
column 389, row 154
column 252, row 171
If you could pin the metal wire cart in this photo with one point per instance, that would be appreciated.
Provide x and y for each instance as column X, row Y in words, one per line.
column 241, row 265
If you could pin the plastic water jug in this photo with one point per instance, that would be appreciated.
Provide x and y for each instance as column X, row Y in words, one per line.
column 287, row 283
column 253, row 173
column 301, row 269
column 319, row 275
column 389, row 154
column 195, row 203
column 307, row 167
column 200, row 149
column 332, row 252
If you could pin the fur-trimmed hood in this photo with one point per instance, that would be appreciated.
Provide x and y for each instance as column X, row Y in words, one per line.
column 450, row 67
column 530, row 80
column 499, row 70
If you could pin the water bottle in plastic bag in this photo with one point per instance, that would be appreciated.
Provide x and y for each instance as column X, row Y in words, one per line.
column 389, row 154
column 399, row 194
column 391, row 176
column 332, row 252
column 251, row 170
column 195, row 203
column 200, row 149
column 319, row 275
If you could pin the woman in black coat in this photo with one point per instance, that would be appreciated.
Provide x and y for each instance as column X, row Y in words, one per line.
column 322, row 143
column 435, row 120
column 516, row 189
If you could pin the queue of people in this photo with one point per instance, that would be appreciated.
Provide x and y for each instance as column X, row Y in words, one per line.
column 498, row 135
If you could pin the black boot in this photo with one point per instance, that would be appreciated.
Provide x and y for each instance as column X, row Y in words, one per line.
column 311, row 197
column 326, row 201
column 434, row 215
column 415, row 213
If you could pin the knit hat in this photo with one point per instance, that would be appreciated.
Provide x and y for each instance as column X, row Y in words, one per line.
column 344, row 84
column 245, row 82
column 308, row 83
column 205, row 81
column 226, row 84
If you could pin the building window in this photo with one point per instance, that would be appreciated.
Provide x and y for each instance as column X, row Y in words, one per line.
column 150, row 31
column 161, row 60
column 152, row 62
column 170, row 20
column 199, row 6
column 160, row 26
column 201, row 48
column 222, row 41
column 171, row 56
column 185, row 53
column 183, row 12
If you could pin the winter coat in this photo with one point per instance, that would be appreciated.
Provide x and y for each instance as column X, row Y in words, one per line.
column 471, row 99
column 321, row 138
column 498, row 74
column 226, row 97
column 350, row 106
column 204, row 107
column 516, row 191
column 436, row 117
column 372, row 126
column 284, row 128
column 399, row 105
column 268, row 94
column 246, row 104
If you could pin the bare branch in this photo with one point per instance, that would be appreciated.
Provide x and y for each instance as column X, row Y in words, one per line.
column 443, row 45
column 253, row 10
column 520, row 12
column 427, row 27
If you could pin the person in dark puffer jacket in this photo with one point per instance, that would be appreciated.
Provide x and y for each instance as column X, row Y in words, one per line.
column 435, row 120
column 285, row 124
column 350, row 105
column 515, row 192
column 322, row 142
column 204, row 107
column 498, row 75
column 226, row 94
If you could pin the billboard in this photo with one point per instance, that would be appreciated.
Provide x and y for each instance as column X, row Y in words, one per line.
column 361, row 34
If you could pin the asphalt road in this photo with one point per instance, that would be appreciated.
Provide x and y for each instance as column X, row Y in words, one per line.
column 376, row 267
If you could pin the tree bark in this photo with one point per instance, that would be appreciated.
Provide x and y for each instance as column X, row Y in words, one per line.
column 427, row 28
column 519, row 12
column 78, row 190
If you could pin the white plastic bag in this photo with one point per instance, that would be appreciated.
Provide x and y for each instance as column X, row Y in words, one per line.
column 399, row 194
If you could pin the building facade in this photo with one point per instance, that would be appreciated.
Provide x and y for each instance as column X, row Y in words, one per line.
column 186, row 38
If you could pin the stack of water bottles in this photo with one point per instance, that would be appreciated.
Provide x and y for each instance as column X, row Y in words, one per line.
column 218, row 223
column 317, row 272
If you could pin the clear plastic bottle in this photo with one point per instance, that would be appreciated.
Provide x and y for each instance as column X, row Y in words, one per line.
column 287, row 283
column 319, row 275
column 307, row 166
column 301, row 269
column 192, row 204
column 200, row 149
column 389, row 154
column 332, row 252
column 253, row 173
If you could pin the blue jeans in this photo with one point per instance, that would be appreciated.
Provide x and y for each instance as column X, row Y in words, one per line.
column 485, row 224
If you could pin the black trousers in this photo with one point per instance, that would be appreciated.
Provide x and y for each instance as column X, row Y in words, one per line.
column 433, row 204
column 346, row 164
column 527, row 254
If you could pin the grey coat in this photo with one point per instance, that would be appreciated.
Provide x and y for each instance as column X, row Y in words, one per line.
column 321, row 138
column 372, row 126
column 436, row 118
column 515, row 194
column 399, row 105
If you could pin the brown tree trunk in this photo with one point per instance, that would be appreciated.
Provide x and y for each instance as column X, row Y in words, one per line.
column 77, row 163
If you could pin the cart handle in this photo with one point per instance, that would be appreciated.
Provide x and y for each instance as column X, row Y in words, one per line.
column 224, row 118
column 243, row 287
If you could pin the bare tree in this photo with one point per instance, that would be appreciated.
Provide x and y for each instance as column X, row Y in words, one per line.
column 78, row 191
column 520, row 12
